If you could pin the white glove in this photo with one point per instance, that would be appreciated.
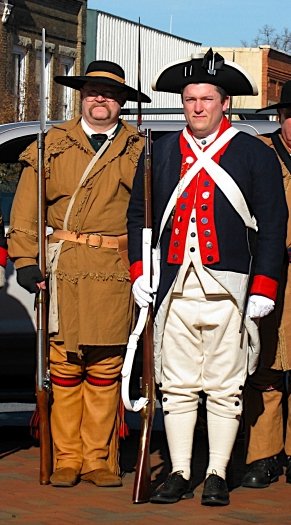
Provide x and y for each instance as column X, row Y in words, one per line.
column 259, row 306
column 142, row 292
column 2, row 276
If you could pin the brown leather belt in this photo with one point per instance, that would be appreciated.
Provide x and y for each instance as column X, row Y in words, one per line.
column 93, row 240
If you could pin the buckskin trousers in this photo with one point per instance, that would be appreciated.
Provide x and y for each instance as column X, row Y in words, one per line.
column 266, row 437
column 84, row 412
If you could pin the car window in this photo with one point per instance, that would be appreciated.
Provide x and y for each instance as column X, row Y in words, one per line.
column 13, row 141
column 15, row 137
column 9, row 177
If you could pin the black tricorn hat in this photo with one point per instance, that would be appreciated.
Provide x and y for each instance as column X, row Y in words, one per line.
column 103, row 72
column 285, row 98
column 209, row 68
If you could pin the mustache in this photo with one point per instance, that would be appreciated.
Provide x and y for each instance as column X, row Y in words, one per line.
column 99, row 105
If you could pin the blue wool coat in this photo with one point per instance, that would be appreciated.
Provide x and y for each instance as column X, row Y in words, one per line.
column 256, row 170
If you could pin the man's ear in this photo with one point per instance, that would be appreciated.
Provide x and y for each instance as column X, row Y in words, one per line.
column 225, row 104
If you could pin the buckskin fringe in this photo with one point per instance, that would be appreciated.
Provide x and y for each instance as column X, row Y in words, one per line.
column 100, row 276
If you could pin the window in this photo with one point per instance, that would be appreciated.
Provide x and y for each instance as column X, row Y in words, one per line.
column 19, row 88
column 47, row 80
column 67, row 69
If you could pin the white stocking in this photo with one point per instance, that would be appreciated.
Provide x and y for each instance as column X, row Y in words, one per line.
column 222, row 433
column 180, row 430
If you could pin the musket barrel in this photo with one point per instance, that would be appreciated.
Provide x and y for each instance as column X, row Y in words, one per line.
column 42, row 373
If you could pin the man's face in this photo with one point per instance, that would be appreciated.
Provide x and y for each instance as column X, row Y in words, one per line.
column 203, row 108
column 285, row 120
column 101, row 104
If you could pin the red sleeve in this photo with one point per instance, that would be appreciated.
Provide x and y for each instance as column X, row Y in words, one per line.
column 3, row 256
column 266, row 286
column 136, row 271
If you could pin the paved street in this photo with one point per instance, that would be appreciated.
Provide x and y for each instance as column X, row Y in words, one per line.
column 25, row 502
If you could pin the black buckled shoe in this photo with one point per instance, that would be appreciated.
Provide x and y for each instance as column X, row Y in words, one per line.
column 262, row 473
column 215, row 491
column 288, row 470
column 173, row 489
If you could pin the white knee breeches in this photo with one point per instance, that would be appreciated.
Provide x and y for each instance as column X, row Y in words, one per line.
column 201, row 351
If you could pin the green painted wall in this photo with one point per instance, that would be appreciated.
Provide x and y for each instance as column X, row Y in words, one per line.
column 91, row 32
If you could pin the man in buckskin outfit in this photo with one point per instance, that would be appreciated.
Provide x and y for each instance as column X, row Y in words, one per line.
column 90, row 163
column 219, row 213
column 269, row 388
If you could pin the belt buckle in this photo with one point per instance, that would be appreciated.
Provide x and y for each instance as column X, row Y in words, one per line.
column 92, row 245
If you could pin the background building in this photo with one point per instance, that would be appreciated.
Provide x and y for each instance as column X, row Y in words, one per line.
column 76, row 35
column 20, row 40
column 269, row 67
column 113, row 38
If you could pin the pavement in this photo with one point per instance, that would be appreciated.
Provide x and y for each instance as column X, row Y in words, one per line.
column 23, row 501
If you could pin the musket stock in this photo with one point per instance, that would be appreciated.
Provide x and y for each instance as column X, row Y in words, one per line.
column 142, row 481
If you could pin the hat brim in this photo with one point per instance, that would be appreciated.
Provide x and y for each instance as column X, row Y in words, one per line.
column 275, row 106
column 231, row 77
column 78, row 83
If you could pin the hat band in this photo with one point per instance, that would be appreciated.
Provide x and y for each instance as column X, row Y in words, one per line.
column 106, row 74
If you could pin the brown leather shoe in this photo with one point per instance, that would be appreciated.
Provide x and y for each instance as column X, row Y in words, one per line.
column 64, row 477
column 102, row 477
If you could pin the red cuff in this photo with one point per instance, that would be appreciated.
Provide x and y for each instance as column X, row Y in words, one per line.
column 3, row 256
column 135, row 270
column 266, row 286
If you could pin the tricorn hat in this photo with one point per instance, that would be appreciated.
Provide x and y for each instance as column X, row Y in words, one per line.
column 285, row 98
column 210, row 68
column 103, row 72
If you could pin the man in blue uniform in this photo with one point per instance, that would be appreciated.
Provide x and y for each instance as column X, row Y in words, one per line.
column 219, row 215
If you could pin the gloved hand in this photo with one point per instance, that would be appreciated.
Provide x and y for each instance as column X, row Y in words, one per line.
column 2, row 276
column 142, row 292
column 259, row 306
column 30, row 278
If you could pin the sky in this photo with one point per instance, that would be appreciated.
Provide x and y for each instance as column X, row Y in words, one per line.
column 224, row 23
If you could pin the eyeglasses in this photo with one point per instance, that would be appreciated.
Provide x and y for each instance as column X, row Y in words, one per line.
column 107, row 95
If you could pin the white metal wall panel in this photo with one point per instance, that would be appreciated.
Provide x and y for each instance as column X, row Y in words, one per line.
column 117, row 40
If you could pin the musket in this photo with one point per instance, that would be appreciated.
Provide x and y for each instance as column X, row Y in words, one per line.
column 142, row 481
column 42, row 360
column 230, row 107
column 144, row 326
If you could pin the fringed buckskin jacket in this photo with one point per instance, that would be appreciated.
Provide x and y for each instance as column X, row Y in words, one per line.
column 95, row 305
column 282, row 315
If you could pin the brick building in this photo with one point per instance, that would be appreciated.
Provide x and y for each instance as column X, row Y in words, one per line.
column 21, row 23
column 269, row 67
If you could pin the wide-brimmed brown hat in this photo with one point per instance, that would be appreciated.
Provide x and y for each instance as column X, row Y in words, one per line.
column 103, row 72
column 285, row 98
column 209, row 68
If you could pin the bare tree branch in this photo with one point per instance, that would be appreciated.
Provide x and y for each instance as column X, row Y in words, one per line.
column 267, row 35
